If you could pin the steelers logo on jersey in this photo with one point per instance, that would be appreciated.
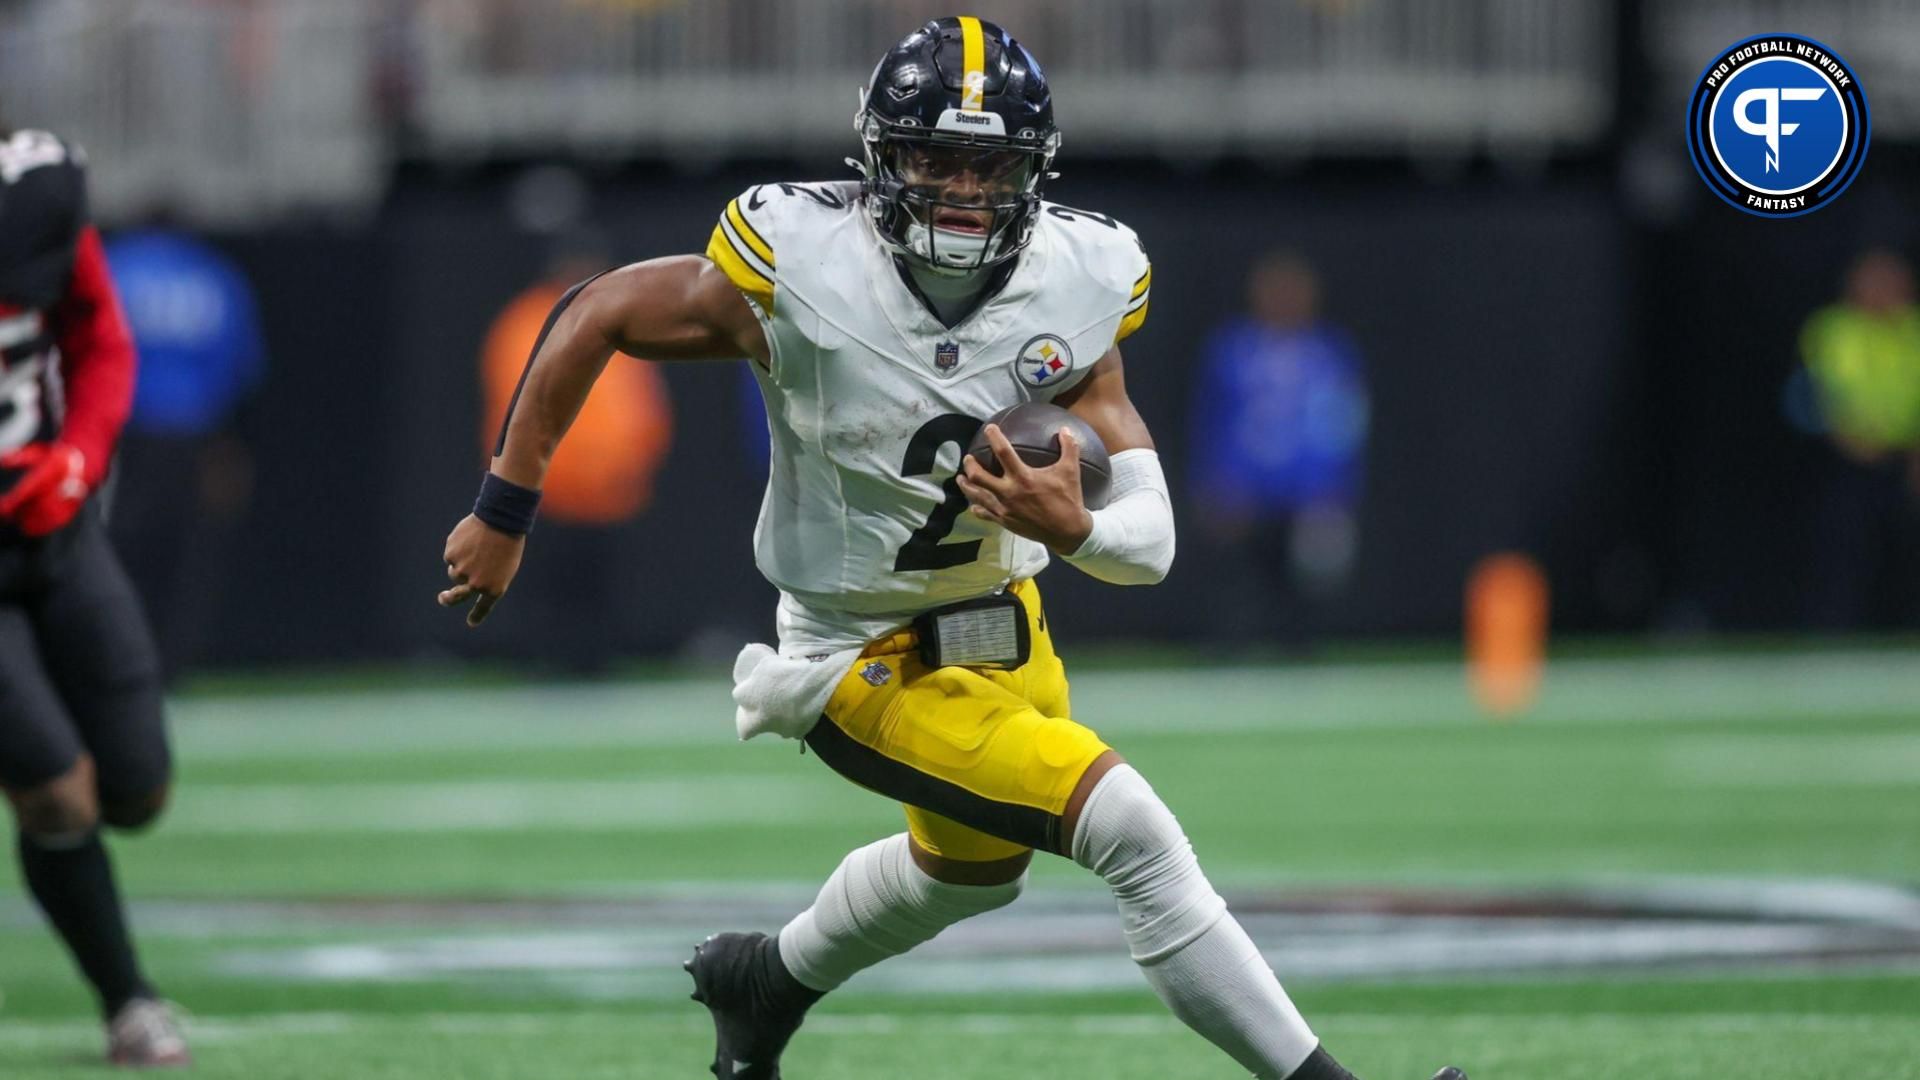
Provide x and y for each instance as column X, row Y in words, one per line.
column 1044, row 361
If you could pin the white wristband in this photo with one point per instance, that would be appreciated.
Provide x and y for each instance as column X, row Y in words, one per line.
column 1132, row 538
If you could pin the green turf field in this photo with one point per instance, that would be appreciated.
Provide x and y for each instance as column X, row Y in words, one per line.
column 1693, row 867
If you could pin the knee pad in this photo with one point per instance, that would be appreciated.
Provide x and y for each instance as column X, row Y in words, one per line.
column 1129, row 837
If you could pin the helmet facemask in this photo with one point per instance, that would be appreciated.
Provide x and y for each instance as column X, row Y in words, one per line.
column 954, row 202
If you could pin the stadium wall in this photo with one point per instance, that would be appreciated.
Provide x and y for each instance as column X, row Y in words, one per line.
column 1541, row 373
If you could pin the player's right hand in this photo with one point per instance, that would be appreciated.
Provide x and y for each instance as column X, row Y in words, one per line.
column 481, row 561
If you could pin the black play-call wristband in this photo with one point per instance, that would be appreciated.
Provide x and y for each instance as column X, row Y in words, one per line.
column 506, row 506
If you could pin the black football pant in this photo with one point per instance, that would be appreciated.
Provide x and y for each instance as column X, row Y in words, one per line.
column 78, row 672
column 78, row 667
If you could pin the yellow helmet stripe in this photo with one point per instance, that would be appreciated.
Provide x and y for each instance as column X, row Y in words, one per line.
column 973, row 63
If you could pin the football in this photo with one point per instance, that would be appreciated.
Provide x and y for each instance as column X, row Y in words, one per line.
column 1034, row 430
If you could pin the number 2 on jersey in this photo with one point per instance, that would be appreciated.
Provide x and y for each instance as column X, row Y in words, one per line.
column 923, row 550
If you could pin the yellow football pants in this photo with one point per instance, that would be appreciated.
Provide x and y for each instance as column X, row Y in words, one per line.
column 983, row 760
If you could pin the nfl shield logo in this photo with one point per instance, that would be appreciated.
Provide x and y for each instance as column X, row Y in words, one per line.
column 876, row 673
column 946, row 356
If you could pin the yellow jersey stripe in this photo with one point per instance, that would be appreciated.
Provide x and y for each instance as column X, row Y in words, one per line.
column 756, row 285
column 973, row 64
column 1140, row 286
column 1131, row 323
column 745, row 250
column 760, row 247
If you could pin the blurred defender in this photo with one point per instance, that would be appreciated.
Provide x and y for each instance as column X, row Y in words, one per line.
column 81, row 737
column 884, row 318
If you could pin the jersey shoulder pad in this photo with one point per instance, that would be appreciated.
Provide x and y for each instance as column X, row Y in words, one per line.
column 746, row 242
column 1110, row 254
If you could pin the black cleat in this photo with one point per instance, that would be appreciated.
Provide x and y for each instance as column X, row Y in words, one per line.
column 1449, row 1073
column 756, row 1004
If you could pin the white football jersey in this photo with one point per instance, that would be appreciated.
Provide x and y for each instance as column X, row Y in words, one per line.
column 871, row 401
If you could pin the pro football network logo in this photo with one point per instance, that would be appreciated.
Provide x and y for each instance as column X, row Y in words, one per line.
column 1778, row 125
column 1043, row 361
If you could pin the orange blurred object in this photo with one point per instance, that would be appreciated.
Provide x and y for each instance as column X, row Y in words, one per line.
column 603, row 472
column 1506, row 632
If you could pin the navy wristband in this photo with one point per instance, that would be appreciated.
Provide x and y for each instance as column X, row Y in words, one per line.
column 506, row 506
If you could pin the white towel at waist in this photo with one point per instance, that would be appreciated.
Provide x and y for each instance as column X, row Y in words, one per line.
column 784, row 695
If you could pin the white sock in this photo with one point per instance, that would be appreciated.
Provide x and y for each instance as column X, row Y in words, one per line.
column 876, row 905
column 1196, row 956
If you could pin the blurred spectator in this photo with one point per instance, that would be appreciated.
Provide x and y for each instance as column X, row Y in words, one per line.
column 1863, row 356
column 601, row 478
column 1279, row 432
column 185, row 473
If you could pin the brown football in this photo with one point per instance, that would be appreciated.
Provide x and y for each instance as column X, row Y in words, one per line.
column 1034, row 430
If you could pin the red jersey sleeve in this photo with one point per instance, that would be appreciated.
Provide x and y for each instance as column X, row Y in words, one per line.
column 96, row 357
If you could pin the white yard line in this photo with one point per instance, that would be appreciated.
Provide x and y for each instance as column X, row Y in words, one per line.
column 698, row 711
column 640, row 803
column 1811, row 760
column 1574, row 692
column 28, row 1034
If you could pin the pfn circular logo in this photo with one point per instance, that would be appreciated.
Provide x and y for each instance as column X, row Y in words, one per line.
column 1778, row 125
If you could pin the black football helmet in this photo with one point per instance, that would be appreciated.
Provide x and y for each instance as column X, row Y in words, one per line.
column 957, row 125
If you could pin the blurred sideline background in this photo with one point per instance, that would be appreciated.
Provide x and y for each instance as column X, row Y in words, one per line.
column 1446, row 319
column 1547, row 337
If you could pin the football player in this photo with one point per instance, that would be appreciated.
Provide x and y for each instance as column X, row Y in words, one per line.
column 81, row 736
column 884, row 318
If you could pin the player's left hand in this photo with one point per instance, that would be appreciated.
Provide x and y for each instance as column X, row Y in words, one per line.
column 51, row 490
column 1042, row 504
